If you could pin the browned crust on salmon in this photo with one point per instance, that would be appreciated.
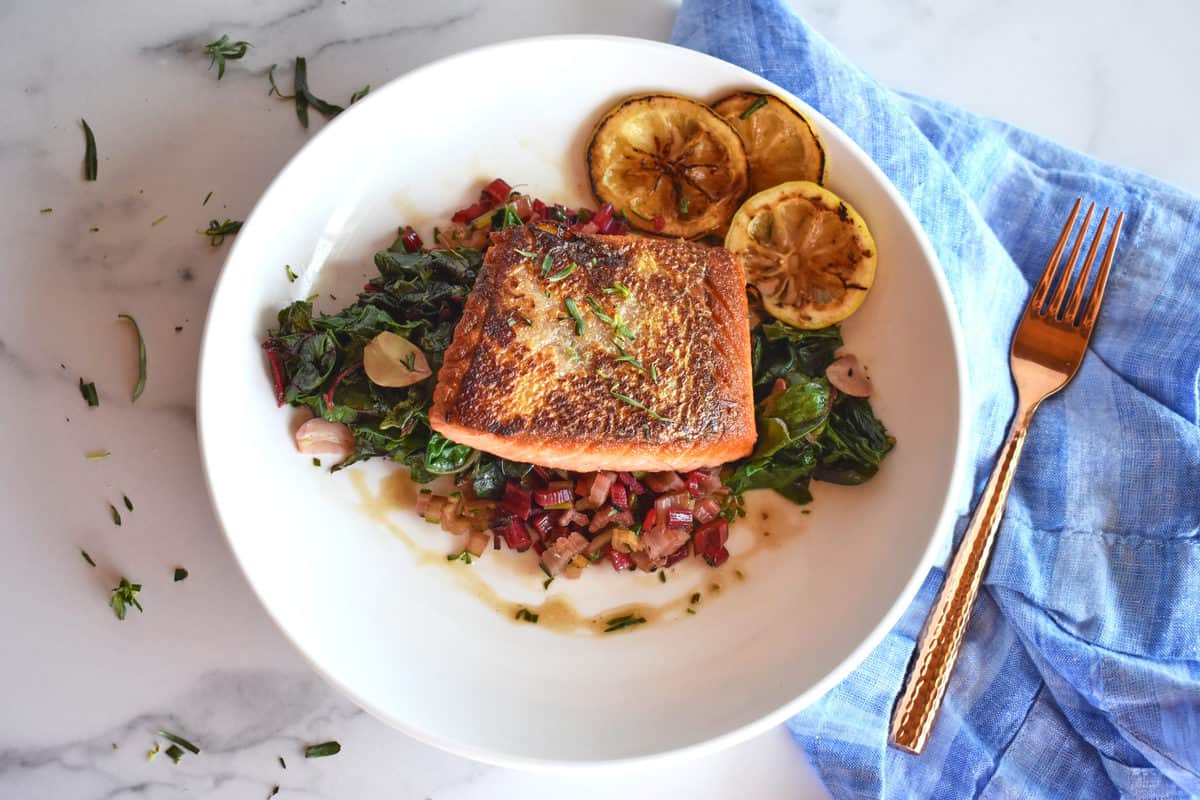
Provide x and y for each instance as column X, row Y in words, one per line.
column 519, row 382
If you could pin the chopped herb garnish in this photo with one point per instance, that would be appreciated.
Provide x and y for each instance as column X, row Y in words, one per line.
column 636, row 404
column 86, row 557
column 217, row 231
column 160, row 219
column 89, row 153
column 123, row 596
column 526, row 320
column 207, row 197
column 598, row 310
column 562, row 274
column 525, row 253
column 316, row 461
column 291, row 276
column 573, row 310
column 174, row 753
column 98, row 455
column 695, row 598
column 47, row 210
column 547, row 264
column 223, row 50
column 626, row 621
column 282, row 763
column 116, row 515
column 93, row 229
column 546, row 571
column 683, row 203
column 128, row 502
column 464, row 557
column 741, row 575
column 618, row 288
column 662, row 576
column 180, row 574
column 150, row 754
column 509, row 218
column 178, row 328
column 654, row 373
column 755, row 106
column 634, row 211
column 546, row 583
column 322, row 750
column 360, row 94
column 88, row 390
column 179, row 740
column 140, row 386
column 691, row 610
column 274, row 791
column 526, row 615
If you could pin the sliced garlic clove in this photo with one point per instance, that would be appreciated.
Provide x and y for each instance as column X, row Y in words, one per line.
column 391, row 360
column 321, row 437
column 849, row 376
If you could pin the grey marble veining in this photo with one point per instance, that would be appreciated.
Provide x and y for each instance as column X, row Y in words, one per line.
column 204, row 660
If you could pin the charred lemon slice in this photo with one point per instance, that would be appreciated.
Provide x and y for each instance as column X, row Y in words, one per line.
column 806, row 251
column 672, row 164
column 780, row 143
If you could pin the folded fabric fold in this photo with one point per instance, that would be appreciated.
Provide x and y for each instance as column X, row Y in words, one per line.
column 1080, row 676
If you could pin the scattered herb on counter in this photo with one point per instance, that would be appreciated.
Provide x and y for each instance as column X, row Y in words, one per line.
column 625, row 621
column 206, row 199
column 691, row 610
column 302, row 95
column 128, row 502
column 316, row 461
column 274, row 791
column 140, row 386
column 223, row 50
column 86, row 557
column 322, row 750
column 282, row 763
column 291, row 276
column 152, row 752
column 160, row 219
column 123, row 596
column 755, row 106
column 178, row 328
column 695, row 598
column 89, row 153
column 179, row 740
column 526, row 615
column 217, row 231
column 97, row 455
column 116, row 515
column 174, row 753
column 88, row 390
column 47, row 210
column 360, row 94
column 180, row 574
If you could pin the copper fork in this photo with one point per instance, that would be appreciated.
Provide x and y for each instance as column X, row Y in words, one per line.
column 1047, row 350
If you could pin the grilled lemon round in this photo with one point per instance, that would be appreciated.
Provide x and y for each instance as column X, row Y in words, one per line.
column 806, row 251
column 780, row 142
column 670, row 163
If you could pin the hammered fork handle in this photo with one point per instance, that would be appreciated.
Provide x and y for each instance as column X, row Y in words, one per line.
column 942, row 636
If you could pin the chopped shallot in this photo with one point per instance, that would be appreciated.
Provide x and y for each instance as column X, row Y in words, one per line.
column 560, row 553
column 848, row 376
column 320, row 437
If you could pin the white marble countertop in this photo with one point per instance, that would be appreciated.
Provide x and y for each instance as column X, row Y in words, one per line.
column 204, row 659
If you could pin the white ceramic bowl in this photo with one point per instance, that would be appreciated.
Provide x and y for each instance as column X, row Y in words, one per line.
column 403, row 632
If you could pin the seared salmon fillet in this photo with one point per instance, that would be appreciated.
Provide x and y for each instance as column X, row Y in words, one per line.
column 587, row 352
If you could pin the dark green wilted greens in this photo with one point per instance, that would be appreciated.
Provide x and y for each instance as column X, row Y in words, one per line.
column 805, row 431
column 418, row 296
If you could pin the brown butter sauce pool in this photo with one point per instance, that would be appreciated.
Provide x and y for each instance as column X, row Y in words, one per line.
column 556, row 613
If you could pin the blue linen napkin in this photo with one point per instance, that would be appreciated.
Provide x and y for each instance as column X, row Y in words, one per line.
column 1080, row 675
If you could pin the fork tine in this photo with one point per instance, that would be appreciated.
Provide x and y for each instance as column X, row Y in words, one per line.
column 1039, row 292
column 1084, row 271
column 1093, row 307
column 1060, row 291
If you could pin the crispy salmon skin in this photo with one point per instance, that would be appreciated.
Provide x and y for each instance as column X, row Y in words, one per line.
column 588, row 352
